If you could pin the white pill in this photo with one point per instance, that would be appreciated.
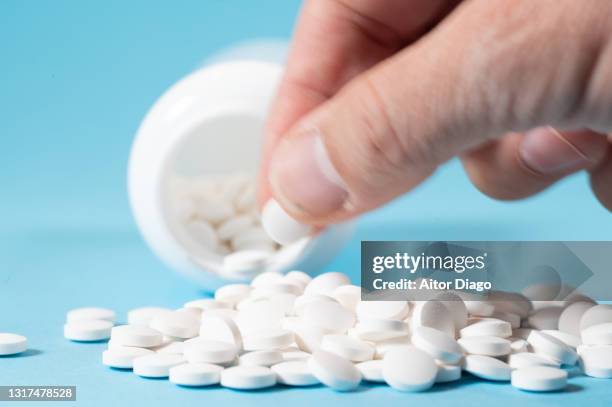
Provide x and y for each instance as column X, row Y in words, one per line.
column 433, row 314
column 308, row 338
column 545, row 318
column 11, row 344
column 349, row 348
column 136, row 335
column 90, row 313
column 299, row 275
column 437, row 344
column 382, row 347
column 246, row 260
column 409, row 369
column 525, row 359
column 248, row 377
column 485, row 345
column 518, row 345
column 570, row 340
column 380, row 329
column 487, row 327
column 598, row 314
column 334, row 371
column 348, row 296
column 268, row 340
column 455, row 305
column 213, row 211
column 552, row 347
column 206, row 304
column 261, row 358
column 176, row 348
column 539, row 378
column 397, row 310
column 487, row 367
column 178, row 324
column 304, row 300
column 329, row 317
column 522, row 333
column 513, row 319
column 221, row 328
column 326, row 283
column 448, row 373
column 295, row 373
column 479, row 308
column 596, row 361
column 295, row 355
column 233, row 226
column 600, row 334
column 268, row 290
column 198, row 350
column 156, row 365
column 510, row 302
column 195, row 374
column 569, row 320
column 123, row 357
column 371, row 370
column 88, row 330
column 260, row 316
column 232, row 293
column 144, row 315
column 281, row 227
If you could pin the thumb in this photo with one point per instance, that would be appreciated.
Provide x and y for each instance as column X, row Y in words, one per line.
column 470, row 79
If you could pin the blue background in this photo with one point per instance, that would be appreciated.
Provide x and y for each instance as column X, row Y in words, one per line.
column 75, row 80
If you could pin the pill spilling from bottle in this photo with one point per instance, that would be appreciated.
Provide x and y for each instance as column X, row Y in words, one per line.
column 294, row 330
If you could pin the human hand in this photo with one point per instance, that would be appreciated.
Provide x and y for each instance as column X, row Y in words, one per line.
column 378, row 93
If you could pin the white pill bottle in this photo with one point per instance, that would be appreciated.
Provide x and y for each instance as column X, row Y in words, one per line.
column 210, row 124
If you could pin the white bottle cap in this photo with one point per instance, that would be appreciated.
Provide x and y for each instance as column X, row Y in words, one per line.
column 210, row 123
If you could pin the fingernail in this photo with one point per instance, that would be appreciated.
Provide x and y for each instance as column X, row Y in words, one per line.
column 546, row 151
column 303, row 177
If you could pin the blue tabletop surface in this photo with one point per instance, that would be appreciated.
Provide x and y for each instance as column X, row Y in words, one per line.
column 75, row 80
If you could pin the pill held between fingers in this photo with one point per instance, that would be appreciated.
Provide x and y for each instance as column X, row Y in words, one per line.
column 123, row 357
column 294, row 373
column 539, row 378
column 195, row 374
column 334, row 371
column 156, row 365
column 90, row 313
column 248, row 377
column 281, row 227
column 487, row 367
column 84, row 330
column 409, row 369
column 12, row 344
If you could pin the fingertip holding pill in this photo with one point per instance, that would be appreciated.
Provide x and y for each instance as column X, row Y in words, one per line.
column 280, row 226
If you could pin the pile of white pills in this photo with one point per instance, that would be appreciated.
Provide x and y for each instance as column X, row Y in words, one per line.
column 296, row 330
column 218, row 219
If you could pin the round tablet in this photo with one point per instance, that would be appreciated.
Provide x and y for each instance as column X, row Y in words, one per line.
column 600, row 334
column 518, row 345
column 545, row 318
column 199, row 350
column 448, row 373
column 218, row 327
column 268, row 340
column 232, row 293
column 539, row 378
column 334, row 371
column 195, row 374
column 409, row 369
column 90, row 313
column 349, row 348
column 123, row 357
column 598, row 314
column 380, row 329
column 526, row 359
column 326, row 283
column 552, row 347
column 485, row 345
column 144, row 315
column 281, row 227
column 437, row 344
column 487, row 367
column 11, row 344
column 295, row 373
column 85, row 330
column 305, row 278
column 178, row 324
column 348, row 296
column 433, row 314
column 487, row 327
column 569, row 320
column 479, row 308
column 569, row 339
column 302, row 301
column 291, row 355
column 371, row 370
column 397, row 310
column 328, row 316
column 206, row 304
column 156, row 365
column 455, row 306
column 261, row 358
column 596, row 361
column 172, row 347
column 135, row 335
column 248, row 377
